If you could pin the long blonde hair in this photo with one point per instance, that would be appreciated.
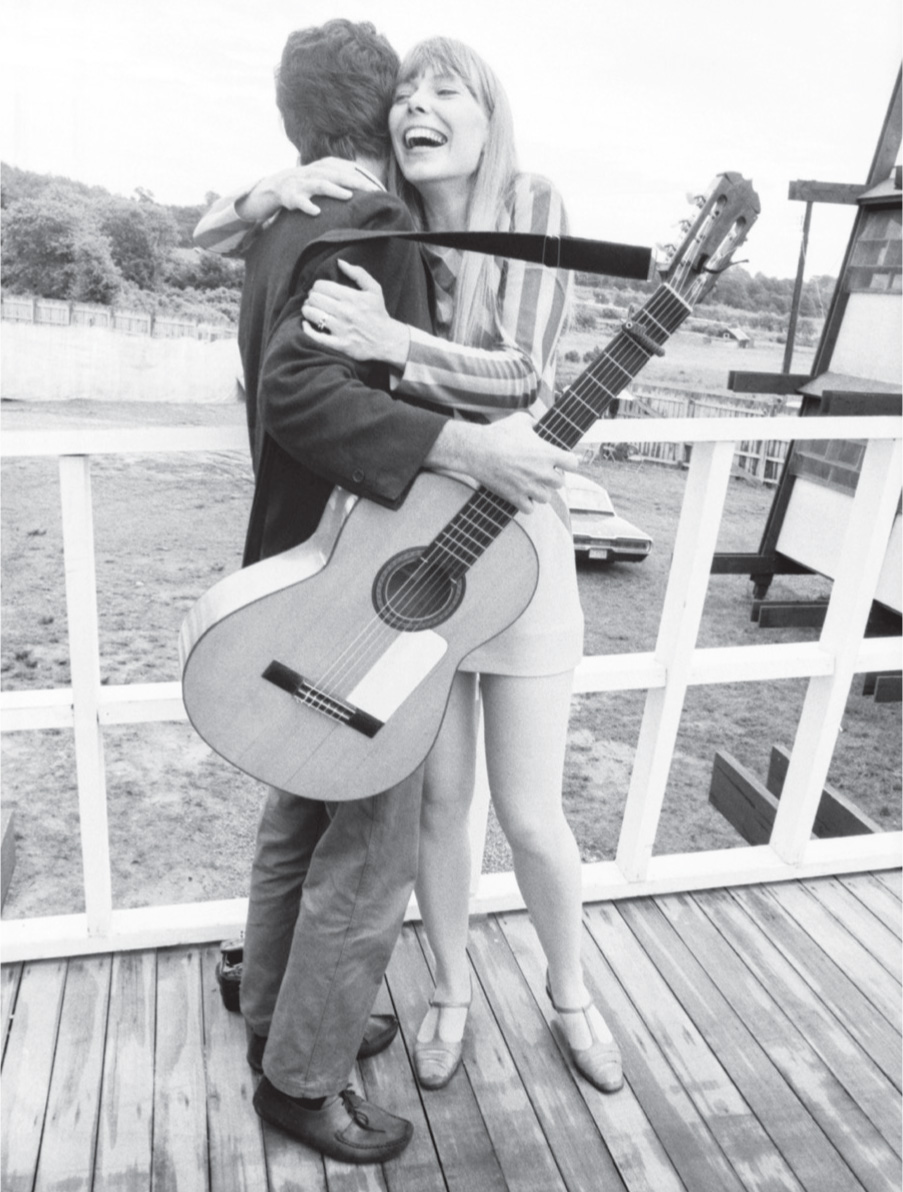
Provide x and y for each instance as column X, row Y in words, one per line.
column 476, row 289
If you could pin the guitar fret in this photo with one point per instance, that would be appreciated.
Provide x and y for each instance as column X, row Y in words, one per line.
column 550, row 435
column 454, row 540
column 583, row 407
column 572, row 398
column 482, row 521
column 627, row 373
column 473, row 529
column 460, row 546
column 657, row 325
column 468, row 557
column 668, row 297
column 673, row 296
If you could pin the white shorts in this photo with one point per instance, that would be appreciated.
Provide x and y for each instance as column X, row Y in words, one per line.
column 547, row 638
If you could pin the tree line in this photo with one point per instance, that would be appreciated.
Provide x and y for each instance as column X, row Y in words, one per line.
column 736, row 288
column 65, row 239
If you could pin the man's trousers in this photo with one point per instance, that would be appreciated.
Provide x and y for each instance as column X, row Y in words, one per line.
column 330, row 884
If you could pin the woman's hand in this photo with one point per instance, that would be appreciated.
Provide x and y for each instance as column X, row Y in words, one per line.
column 355, row 321
column 295, row 188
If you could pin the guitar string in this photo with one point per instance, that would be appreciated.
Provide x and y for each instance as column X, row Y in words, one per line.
column 424, row 583
column 456, row 532
column 484, row 508
column 414, row 588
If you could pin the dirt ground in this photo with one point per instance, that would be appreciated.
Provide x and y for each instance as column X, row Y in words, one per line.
column 181, row 821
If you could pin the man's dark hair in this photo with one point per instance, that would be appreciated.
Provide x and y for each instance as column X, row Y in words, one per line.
column 334, row 88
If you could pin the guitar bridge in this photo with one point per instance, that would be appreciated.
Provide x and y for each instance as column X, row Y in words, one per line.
column 308, row 693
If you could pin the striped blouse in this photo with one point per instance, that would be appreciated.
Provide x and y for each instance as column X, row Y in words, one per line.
column 497, row 376
column 518, row 372
column 224, row 231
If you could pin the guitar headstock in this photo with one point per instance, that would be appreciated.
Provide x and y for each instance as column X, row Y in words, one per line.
column 725, row 214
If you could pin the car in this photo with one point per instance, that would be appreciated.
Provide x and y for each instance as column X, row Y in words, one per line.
column 599, row 532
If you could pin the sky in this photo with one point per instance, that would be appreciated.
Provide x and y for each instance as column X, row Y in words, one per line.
column 629, row 107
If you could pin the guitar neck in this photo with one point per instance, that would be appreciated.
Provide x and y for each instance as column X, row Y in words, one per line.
column 480, row 521
column 641, row 336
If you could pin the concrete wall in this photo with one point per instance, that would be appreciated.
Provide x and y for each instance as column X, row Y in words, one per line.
column 49, row 363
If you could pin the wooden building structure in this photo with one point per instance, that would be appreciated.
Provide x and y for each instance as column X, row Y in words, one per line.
column 857, row 370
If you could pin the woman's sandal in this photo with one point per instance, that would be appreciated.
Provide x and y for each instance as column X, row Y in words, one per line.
column 600, row 1063
column 435, row 1060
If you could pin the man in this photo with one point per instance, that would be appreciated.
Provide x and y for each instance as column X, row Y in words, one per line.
column 330, row 883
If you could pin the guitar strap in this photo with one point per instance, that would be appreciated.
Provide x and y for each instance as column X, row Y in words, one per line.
column 558, row 252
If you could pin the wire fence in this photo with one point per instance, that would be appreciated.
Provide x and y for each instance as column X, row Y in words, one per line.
column 760, row 459
column 53, row 312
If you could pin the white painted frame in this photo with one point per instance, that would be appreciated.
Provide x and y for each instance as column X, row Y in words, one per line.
column 665, row 673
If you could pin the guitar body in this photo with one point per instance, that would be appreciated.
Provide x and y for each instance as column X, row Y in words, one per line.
column 256, row 642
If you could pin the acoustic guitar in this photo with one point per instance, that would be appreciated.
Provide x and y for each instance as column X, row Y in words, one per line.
column 325, row 671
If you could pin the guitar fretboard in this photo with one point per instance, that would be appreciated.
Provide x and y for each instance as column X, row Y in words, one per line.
column 483, row 517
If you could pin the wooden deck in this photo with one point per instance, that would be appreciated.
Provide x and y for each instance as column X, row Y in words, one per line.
column 761, row 1032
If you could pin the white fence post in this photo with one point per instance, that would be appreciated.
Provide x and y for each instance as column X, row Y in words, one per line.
column 694, row 546
column 861, row 557
column 84, row 655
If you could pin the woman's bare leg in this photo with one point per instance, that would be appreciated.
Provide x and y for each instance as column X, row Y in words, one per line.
column 443, row 881
column 526, row 721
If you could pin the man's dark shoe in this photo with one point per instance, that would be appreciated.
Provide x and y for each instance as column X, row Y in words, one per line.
column 381, row 1030
column 346, row 1128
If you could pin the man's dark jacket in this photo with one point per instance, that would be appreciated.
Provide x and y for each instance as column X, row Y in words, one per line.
column 317, row 419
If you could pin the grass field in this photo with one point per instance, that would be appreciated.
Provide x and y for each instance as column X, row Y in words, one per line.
column 182, row 821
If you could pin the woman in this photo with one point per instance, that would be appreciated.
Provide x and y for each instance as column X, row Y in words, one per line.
column 499, row 325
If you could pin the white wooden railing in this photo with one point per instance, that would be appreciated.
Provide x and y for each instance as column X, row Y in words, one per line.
column 665, row 673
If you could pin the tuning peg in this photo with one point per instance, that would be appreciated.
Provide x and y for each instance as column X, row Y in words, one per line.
column 685, row 225
column 696, row 200
column 662, row 257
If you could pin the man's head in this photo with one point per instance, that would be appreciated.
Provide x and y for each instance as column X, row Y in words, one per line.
column 334, row 88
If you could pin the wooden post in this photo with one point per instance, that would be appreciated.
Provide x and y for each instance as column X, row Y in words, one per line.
column 84, row 656
column 7, row 850
column 797, row 291
column 694, row 546
column 859, row 565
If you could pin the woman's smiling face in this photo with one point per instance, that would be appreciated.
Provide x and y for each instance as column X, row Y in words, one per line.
column 438, row 128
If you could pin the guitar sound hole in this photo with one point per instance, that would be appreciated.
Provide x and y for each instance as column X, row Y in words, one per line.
column 411, row 594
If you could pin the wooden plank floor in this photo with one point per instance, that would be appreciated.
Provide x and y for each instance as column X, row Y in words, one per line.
column 761, row 1032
